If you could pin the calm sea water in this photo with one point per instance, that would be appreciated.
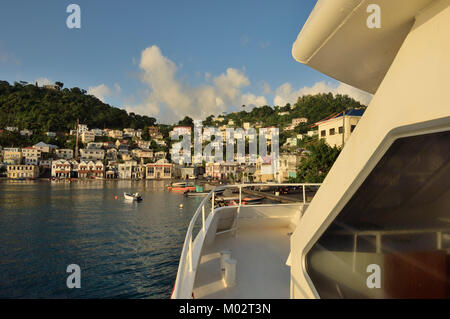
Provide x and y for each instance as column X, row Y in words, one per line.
column 124, row 250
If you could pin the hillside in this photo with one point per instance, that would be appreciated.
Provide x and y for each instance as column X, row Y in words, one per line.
column 30, row 107
column 313, row 107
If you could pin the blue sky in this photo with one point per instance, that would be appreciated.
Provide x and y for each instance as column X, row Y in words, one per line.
column 199, row 53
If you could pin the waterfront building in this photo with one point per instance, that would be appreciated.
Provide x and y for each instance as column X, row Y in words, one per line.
column 246, row 125
column 115, row 134
column 111, row 154
column 31, row 152
column 26, row 132
column 111, row 171
column 51, row 87
column 89, row 169
column 265, row 171
column 299, row 120
column 291, row 142
column 162, row 169
column 221, row 170
column 92, row 154
column 337, row 130
column 31, row 160
column 61, row 169
column 50, row 134
column 83, row 169
column 94, row 145
column 127, row 170
column 64, row 153
column 12, row 128
column 144, row 154
column 129, row 132
column 87, row 136
column 45, row 148
column 46, row 163
column 188, row 172
column 97, row 170
column 82, row 128
column 121, row 144
column 97, row 132
column 12, row 156
column 287, row 167
column 22, row 171
column 145, row 145
column 108, row 145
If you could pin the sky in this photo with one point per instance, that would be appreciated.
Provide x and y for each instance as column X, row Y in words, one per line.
column 165, row 59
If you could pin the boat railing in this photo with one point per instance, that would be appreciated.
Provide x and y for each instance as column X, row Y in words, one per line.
column 189, row 256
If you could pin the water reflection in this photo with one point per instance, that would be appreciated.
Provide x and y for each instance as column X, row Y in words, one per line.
column 124, row 249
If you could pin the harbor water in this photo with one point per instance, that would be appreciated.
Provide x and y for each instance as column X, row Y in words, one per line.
column 124, row 249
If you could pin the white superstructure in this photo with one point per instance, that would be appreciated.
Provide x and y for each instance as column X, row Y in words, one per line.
column 379, row 226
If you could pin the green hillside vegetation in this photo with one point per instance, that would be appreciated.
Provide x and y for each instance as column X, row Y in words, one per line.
column 313, row 107
column 30, row 107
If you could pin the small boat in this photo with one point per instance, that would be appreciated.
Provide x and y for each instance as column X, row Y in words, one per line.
column 195, row 194
column 201, row 193
column 133, row 197
column 181, row 187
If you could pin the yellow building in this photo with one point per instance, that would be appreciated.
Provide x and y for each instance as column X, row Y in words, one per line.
column 23, row 171
column 337, row 130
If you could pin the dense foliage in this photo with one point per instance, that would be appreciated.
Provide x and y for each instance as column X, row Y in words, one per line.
column 315, row 167
column 313, row 107
column 30, row 107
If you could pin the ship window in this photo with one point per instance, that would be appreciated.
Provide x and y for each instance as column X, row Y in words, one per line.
column 398, row 220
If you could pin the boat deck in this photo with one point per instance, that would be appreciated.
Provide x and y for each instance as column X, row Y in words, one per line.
column 261, row 255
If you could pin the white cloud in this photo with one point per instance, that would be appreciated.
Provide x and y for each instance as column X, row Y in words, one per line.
column 170, row 99
column 102, row 91
column 286, row 94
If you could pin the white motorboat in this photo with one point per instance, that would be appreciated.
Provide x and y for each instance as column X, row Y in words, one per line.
column 132, row 197
column 378, row 226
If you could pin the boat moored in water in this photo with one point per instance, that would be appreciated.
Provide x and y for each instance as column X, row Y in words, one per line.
column 132, row 197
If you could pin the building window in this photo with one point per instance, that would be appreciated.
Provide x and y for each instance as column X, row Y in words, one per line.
column 332, row 131
column 398, row 220
column 341, row 129
column 352, row 128
column 323, row 133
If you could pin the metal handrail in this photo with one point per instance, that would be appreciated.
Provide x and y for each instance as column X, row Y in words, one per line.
column 187, row 252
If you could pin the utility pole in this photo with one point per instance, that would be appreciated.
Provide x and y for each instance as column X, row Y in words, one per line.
column 343, row 128
column 76, row 141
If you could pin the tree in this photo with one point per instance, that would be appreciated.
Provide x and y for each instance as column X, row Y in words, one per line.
column 187, row 121
column 145, row 134
column 59, row 84
column 314, row 167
